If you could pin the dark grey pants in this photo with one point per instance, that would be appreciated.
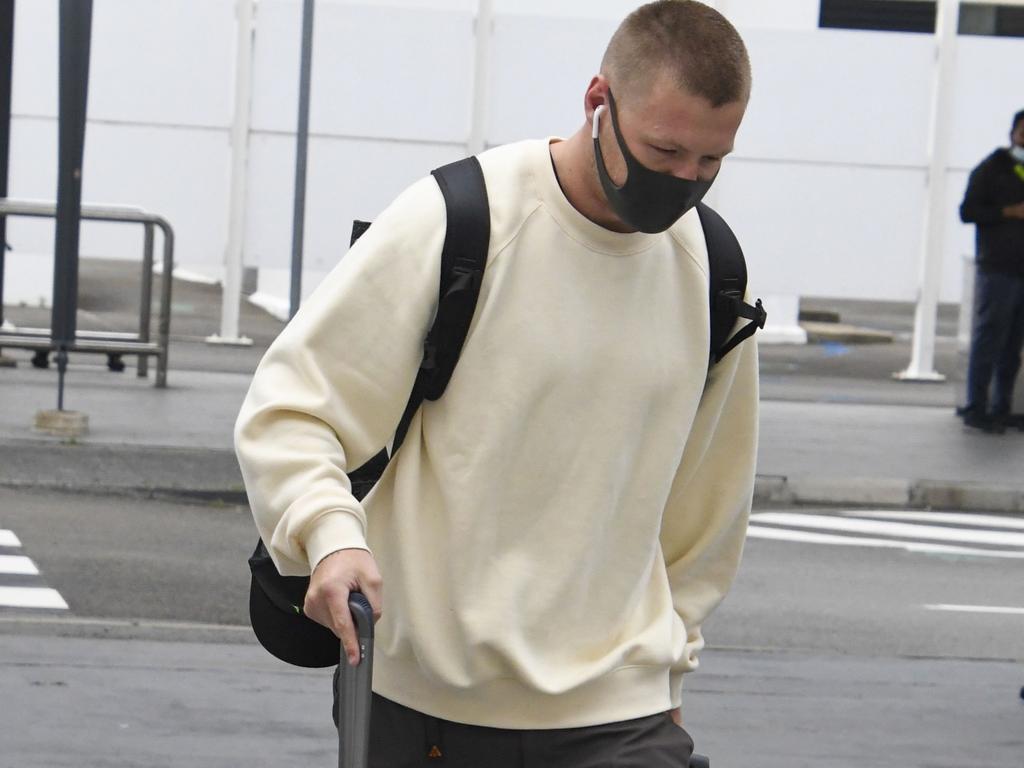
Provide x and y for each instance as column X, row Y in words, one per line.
column 996, row 341
column 404, row 738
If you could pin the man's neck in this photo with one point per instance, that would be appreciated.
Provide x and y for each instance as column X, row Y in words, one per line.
column 573, row 160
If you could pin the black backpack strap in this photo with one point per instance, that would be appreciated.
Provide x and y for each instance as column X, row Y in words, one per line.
column 728, row 286
column 358, row 230
column 463, row 260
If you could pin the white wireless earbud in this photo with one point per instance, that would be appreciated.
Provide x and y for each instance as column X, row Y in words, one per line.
column 597, row 116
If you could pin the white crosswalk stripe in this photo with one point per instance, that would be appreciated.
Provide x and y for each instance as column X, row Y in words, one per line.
column 945, row 533
column 31, row 597
column 1001, row 609
column 809, row 537
column 949, row 518
column 22, row 586
column 18, row 564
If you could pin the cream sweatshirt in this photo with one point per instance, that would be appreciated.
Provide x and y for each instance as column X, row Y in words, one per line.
column 555, row 529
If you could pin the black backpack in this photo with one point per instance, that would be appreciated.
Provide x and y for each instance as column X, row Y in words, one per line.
column 275, row 601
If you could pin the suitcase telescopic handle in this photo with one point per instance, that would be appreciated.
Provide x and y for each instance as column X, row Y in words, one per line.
column 362, row 613
column 355, row 690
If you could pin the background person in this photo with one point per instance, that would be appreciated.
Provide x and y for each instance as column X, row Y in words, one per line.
column 994, row 201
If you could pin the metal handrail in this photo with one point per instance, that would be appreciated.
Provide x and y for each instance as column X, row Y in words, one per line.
column 127, row 214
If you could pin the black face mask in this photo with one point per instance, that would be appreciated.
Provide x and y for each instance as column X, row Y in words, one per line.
column 648, row 200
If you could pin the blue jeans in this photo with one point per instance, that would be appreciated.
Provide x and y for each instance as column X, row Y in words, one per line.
column 995, row 342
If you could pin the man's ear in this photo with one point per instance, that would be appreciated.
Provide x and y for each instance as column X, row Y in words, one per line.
column 596, row 95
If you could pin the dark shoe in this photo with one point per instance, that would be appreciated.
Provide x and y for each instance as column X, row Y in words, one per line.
column 1015, row 421
column 986, row 424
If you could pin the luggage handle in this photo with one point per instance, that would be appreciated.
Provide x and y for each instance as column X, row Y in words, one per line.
column 355, row 689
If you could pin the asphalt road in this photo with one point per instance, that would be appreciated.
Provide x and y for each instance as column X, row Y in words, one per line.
column 127, row 558
column 903, row 648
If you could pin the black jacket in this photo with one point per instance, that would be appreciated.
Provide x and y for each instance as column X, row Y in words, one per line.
column 993, row 185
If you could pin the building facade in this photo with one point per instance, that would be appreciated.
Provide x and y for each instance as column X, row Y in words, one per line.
column 827, row 187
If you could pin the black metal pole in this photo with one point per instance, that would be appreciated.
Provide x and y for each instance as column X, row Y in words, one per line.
column 75, row 36
column 301, row 151
column 6, row 77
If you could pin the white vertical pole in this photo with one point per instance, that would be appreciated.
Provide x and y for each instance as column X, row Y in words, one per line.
column 232, row 294
column 484, row 27
column 922, row 360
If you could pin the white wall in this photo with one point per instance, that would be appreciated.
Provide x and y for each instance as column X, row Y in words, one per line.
column 789, row 14
column 157, row 129
column 826, row 188
column 391, row 96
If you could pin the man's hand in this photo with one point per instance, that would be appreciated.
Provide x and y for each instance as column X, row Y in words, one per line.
column 677, row 716
column 337, row 575
column 1014, row 211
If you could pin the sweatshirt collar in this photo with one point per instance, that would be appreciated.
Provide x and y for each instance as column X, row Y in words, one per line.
column 575, row 224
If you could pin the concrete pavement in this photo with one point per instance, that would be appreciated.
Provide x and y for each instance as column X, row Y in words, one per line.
column 220, row 705
column 836, row 427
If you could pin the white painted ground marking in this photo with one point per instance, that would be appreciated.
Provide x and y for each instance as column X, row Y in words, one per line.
column 953, row 518
column 68, row 621
column 31, row 597
column 810, row 537
column 18, row 564
column 977, row 608
column 8, row 539
column 883, row 528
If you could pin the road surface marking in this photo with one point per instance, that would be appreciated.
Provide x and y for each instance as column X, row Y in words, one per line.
column 953, row 518
column 21, row 584
column 31, row 597
column 18, row 564
column 69, row 621
column 883, row 528
column 977, row 608
column 810, row 537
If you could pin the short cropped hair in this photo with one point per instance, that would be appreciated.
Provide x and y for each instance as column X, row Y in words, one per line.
column 693, row 42
column 1016, row 120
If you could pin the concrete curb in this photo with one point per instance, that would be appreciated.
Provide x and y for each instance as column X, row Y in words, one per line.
column 888, row 492
column 842, row 333
column 213, row 475
column 202, row 474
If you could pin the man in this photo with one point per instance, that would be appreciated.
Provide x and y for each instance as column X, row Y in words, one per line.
column 994, row 201
column 554, row 530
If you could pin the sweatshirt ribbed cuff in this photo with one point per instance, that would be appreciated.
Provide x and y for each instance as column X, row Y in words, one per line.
column 331, row 532
column 675, row 689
